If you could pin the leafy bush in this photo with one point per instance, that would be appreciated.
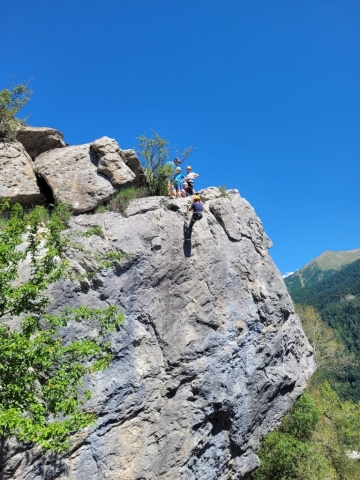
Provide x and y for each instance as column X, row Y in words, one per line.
column 330, row 353
column 302, row 419
column 40, row 376
column 337, row 300
column 222, row 189
column 313, row 439
column 11, row 102
column 154, row 153
column 283, row 457
column 337, row 432
column 286, row 454
column 121, row 200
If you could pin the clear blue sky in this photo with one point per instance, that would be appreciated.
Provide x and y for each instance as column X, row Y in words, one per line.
column 267, row 91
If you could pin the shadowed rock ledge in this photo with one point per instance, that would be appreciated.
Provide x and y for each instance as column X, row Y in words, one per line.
column 209, row 360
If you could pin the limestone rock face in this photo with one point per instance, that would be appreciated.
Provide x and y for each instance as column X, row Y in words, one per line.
column 84, row 176
column 211, row 355
column 72, row 175
column 111, row 163
column 38, row 140
column 133, row 163
column 17, row 175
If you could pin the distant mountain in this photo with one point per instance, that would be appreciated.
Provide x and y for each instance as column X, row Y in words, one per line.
column 287, row 274
column 320, row 268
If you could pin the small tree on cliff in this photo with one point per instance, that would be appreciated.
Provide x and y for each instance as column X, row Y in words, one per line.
column 155, row 160
column 40, row 375
column 11, row 102
column 155, row 154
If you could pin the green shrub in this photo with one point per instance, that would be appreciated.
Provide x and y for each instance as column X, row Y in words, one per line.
column 154, row 153
column 283, row 457
column 101, row 209
column 121, row 200
column 222, row 189
column 158, row 171
column 287, row 453
column 41, row 399
column 302, row 419
column 11, row 102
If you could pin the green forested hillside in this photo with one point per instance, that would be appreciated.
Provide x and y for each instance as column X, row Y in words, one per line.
column 337, row 299
column 313, row 440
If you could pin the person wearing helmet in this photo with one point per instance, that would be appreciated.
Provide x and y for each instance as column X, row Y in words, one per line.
column 177, row 179
column 190, row 177
column 170, row 169
column 197, row 208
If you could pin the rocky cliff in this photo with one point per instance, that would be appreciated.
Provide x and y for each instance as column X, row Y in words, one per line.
column 211, row 355
column 40, row 167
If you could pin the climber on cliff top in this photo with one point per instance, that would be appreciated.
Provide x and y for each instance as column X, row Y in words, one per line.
column 190, row 177
column 177, row 179
column 197, row 208
column 171, row 166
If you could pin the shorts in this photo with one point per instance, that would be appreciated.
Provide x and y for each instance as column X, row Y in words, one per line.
column 196, row 216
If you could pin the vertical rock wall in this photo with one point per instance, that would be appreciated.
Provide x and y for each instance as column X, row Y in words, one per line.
column 211, row 355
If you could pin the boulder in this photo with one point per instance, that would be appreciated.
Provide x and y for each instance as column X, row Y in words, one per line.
column 133, row 163
column 85, row 176
column 111, row 162
column 73, row 177
column 210, row 358
column 18, row 181
column 38, row 140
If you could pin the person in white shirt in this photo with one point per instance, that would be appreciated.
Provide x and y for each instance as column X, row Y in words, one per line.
column 190, row 177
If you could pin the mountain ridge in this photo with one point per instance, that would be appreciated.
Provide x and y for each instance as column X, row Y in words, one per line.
column 320, row 268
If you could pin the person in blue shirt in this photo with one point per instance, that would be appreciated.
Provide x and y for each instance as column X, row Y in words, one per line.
column 177, row 179
column 171, row 166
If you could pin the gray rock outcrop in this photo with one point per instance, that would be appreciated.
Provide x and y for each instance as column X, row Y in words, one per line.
column 111, row 163
column 38, row 140
column 72, row 175
column 132, row 161
column 211, row 355
column 85, row 176
column 17, row 175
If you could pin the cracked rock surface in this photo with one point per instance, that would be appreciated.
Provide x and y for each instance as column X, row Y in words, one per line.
column 211, row 356
column 38, row 140
column 111, row 162
column 17, row 175
column 85, row 176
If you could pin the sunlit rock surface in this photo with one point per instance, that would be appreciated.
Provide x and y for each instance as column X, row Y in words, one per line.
column 209, row 360
column 18, row 181
column 85, row 176
column 37, row 140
